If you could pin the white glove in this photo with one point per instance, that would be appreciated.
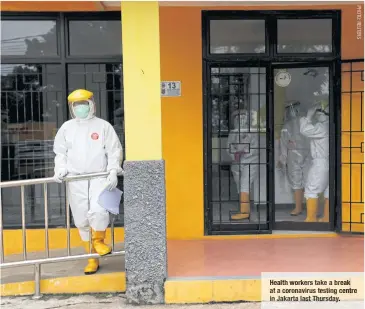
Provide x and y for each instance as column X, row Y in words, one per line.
column 112, row 180
column 311, row 113
column 60, row 175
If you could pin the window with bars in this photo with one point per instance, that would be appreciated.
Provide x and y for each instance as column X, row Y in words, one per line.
column 37, row 73
column 352, row 145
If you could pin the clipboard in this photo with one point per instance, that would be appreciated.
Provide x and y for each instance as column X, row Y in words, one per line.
column 110, row 200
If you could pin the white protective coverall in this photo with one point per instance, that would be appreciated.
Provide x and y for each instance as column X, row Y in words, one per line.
column 84, row 146
column 294, row 147
column 318, row 133
column 243, row 148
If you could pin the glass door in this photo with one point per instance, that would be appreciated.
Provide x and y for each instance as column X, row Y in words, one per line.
column 301, row 101
column 237, row 151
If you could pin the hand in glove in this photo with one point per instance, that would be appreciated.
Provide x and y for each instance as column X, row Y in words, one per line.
column 60, row 175
column 112, row 180
column 311, row 113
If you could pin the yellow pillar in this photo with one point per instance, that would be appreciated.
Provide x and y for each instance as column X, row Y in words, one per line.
column 141, row 75
column 144, row 177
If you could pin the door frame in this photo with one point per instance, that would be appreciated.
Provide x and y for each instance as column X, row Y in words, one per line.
column 270, row 60
column 234, row 228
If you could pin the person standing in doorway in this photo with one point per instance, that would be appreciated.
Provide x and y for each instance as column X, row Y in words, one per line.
column 294, row 153
column 83, row 145
column 243, row 148
column 318, row 176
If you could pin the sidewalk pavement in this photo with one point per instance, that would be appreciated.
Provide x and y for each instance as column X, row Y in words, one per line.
column 102, row 301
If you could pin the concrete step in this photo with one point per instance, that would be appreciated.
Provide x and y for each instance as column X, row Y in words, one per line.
column 60, row 269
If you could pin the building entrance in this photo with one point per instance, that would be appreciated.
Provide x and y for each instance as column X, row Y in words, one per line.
column 302, row 109
column 270, row 159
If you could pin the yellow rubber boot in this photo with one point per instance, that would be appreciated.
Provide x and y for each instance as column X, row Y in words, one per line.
column 298, row 197
column 326, row 211
column 98, row 243
column 93, row 264
column 312, row 206
column 245, row 208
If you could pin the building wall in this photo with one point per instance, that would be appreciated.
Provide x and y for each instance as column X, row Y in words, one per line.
column 182, row 117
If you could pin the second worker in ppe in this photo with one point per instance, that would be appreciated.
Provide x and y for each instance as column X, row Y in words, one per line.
column 318, row 176
column 294, row 152
column 83, row 145
column 243, row 148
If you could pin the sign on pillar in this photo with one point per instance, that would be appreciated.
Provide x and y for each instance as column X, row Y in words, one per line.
column 171, row 89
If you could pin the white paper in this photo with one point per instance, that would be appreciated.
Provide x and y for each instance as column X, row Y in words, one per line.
column 110, row 200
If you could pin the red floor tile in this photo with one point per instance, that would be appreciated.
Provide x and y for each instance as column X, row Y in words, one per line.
column 250, row 257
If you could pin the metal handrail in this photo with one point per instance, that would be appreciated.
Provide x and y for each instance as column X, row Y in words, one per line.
column 38, row 262
column 39, row 181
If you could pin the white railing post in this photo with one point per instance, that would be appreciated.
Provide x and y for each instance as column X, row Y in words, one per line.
column 68, row 220
column 37, row 281
column 1, row 229
column 45, row 194
column 24, row 231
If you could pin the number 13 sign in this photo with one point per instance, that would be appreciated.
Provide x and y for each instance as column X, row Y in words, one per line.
column 171, row 89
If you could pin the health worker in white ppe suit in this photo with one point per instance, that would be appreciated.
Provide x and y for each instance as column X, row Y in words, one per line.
column 318, row 176
column 83, row 145
column 294, row 153
column 243, row 150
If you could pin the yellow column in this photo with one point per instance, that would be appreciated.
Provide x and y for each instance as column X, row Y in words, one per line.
column 141, row 75
column 144, row 177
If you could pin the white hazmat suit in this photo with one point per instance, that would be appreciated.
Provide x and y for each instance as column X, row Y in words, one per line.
column 294, row 152
column 318, row 176
column 82, row 146
column 243, row 148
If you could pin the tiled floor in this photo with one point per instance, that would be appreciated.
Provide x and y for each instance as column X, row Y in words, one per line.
column 250, row 257
column 210, row 258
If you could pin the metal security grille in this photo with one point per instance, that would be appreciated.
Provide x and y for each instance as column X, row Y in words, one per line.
column 352, row 148
column 33, row 107
column 234, row 90
column 58, row 53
